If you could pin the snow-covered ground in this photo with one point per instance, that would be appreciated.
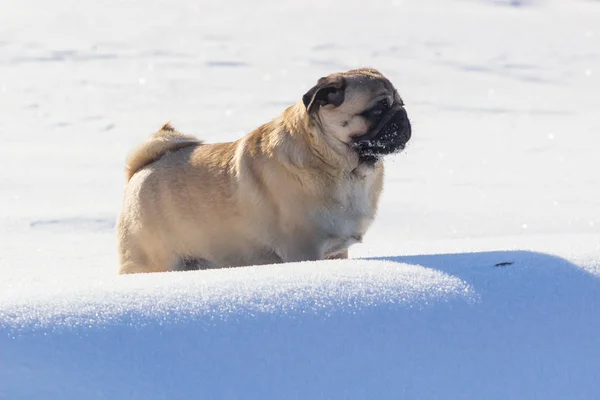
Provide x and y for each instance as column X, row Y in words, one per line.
column 480, row 278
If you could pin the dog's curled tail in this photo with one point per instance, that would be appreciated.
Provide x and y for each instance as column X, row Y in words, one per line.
column 165, row 140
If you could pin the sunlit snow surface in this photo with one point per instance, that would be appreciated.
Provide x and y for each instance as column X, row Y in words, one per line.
column 480, row 278
column 314, row 288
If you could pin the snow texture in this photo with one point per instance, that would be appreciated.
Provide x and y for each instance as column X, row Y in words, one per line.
column 480, row 278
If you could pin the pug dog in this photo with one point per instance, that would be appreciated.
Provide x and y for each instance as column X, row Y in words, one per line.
column 302, row 187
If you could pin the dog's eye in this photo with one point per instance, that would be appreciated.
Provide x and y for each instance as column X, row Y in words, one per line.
column 377, row 112
column 380, row 108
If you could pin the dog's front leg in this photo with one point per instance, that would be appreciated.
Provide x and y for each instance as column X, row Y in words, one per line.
column 339, row 256
column 301, row 250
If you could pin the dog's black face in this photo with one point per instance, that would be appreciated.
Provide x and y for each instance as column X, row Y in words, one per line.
column 389, row 133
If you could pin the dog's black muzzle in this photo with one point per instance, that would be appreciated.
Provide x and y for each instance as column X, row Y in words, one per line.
column 389, row 136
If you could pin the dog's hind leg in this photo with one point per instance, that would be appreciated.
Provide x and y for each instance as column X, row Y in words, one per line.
column 133, row 266
column 134, row 259
column 130, row 267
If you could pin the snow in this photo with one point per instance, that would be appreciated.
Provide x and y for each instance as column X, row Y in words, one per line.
column 480, row 277
column 218, row 294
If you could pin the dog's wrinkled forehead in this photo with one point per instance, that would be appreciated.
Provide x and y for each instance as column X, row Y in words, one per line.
column 367, row 79
column 363, row 87
column 353, row 90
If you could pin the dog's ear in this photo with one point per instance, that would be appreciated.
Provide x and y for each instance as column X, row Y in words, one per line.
column 326, row 91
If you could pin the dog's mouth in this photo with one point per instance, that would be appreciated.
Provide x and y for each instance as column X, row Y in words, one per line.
column 389, row 136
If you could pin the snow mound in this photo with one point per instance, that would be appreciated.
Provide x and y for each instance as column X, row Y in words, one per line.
column 493, row 325
column 291, row 288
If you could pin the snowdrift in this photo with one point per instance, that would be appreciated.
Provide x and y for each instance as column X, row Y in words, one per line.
column 491, row 325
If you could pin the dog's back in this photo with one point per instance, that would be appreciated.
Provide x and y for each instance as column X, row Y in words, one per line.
column 165, row 140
